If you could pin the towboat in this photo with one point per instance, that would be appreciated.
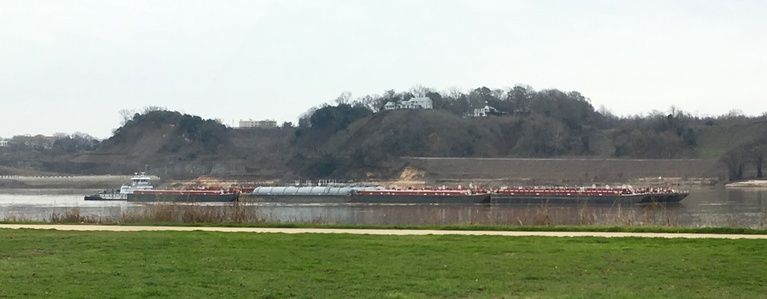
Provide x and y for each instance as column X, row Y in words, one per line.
column 141, row 190
column 139, row 182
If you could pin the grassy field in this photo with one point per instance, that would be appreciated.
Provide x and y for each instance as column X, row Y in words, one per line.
column 46, row 263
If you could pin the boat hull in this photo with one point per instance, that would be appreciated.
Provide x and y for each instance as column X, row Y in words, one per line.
column 624, row 199
column 663, row 198
column 106, row 197
column 381, row 199
column 170, row 197
column 497, row 199
column 421, row 199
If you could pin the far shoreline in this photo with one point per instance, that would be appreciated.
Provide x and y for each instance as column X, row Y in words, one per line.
column 762, row 183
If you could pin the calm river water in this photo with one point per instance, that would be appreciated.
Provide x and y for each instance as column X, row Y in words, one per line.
column 705, row 207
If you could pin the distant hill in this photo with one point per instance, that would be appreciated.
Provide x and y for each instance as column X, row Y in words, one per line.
column 176, row 145
column 350, row 142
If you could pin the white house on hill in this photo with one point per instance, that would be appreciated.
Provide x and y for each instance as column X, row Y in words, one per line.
column 258, row 123
column 484, row 111
column 414, row 103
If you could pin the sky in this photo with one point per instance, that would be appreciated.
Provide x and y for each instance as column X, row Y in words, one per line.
column 71, row 66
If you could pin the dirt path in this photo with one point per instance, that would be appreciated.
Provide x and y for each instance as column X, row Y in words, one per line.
column 371, row 231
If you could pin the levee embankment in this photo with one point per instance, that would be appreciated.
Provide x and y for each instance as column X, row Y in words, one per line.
column 569, row 171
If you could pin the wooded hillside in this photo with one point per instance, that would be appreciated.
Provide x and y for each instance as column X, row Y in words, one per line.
column 356, row 138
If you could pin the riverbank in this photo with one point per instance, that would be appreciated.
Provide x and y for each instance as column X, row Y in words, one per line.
column 749, row 183
column 70, row 264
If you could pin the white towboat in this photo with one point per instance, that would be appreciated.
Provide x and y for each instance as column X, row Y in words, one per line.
column 139, row 181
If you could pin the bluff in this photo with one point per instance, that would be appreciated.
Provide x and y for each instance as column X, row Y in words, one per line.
column 349, row 143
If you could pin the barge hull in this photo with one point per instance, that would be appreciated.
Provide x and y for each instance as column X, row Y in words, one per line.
column 422, row 199
column 626, row 199
column 382, row 199
column 99, row 197
column 181, row 197
column 663, row 198
column 297, row 198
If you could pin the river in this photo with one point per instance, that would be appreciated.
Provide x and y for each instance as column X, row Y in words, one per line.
column 705, row 207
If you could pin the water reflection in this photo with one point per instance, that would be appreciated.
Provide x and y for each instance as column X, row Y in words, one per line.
column 706, row 206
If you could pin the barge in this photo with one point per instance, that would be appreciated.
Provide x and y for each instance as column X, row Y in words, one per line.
column 586, row 195
column 183, row 195
column 421, row 196
column 330, row 193
column 498, row 196
column 338, row 193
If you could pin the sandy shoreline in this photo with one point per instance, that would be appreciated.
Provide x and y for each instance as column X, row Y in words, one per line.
column 749, row 183
column 402, row 232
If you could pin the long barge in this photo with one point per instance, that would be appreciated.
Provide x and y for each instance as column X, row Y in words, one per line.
column 365, row 194
column 182, row 195
column 498, row 196
column 421, row 196
column 140, row 190
column 586, row 195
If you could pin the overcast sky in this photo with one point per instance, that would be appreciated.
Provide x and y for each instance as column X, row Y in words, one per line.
column 72, row 66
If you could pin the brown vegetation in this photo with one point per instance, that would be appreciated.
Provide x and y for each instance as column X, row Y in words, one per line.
column 544, row 215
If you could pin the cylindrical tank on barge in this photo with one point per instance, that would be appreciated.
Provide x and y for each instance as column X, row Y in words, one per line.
column 306, row 194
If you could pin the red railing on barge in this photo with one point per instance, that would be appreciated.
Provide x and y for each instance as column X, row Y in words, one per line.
column 197, row 191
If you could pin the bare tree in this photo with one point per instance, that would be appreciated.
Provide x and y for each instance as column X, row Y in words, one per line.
column 343, row 98
column 735, row 162
column 126, row 115
column 420, row 91
column 372, row 102
column 757, row 154
column 304, row 121
column 148, row 109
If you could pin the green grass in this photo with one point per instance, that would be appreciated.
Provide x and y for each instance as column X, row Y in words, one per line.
column 61, row 264
column 563, row 228
column 715, row 141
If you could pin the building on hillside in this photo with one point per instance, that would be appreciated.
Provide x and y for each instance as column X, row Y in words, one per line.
column 414, row 103
column 485, row 111
column 37, row 141
column 258, row 123
column 3, row 142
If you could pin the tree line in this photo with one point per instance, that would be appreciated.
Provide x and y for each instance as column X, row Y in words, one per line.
column 531, row 123
column 350, row 135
